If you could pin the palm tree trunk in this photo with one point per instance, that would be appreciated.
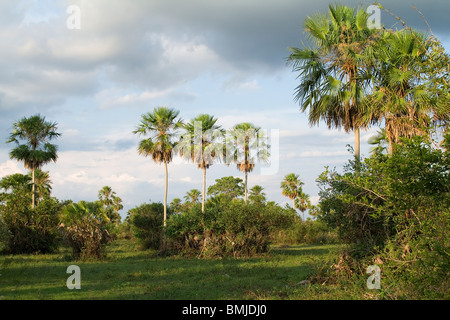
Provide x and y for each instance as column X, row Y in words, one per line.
column 245, row 186
column 357, row 145
column 204, row 190
column 293, row 204
column 165, row 195
column 33, row 188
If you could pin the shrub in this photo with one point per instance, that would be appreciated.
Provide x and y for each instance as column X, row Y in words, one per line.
column 238, row 229
column 85, row 228
column 306, row 232
column 28, row 230
column 393, row 211
column 146, row 223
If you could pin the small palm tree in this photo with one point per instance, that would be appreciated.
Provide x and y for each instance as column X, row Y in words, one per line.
column 247, row 138
column 202, row 143
column 193, row 196
column 291, row 187
column 161, row 124
column 257, row 195
column 43, row 184
column 302, row 202
column 32, row 136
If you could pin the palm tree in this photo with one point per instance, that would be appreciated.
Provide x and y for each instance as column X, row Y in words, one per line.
column 379, row 142
column 32, row 136
column 161, row 124
column 257, row 195
column 202, row 143
column 302, row 202
column 246, row 137
column 334, row 75
column 400, row 98
column 43, row 183
column 16, row 181
column 291, row 187
column 105, row 196
column 193, row 196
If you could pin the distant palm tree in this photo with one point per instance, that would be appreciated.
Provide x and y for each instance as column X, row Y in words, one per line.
column 43, row 184
column 302, row 202
column 202, row 143
column 334, row 74
column 291, row 187
column 257, row 195
column 105, row 196
column 193, row 196
column 247, row 138
column 161, row 124
column 32, row 136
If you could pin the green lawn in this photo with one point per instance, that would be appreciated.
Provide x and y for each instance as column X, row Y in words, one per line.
column 128, row 273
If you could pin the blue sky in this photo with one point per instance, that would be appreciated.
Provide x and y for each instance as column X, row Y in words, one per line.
column 225, row 58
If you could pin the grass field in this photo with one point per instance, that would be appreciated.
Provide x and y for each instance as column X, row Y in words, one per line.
column 128, row 273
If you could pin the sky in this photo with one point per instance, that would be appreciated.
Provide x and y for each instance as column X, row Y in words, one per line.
column 221, row 57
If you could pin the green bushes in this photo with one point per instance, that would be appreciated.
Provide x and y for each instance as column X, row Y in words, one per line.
column 28, row 230
column 306, row 232
column 86, row 229
column 235, row 229
column 394, row 211
column 146, row 223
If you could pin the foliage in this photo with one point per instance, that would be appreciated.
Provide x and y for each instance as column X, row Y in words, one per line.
column 86, row 227
column 32, row 137
column 257, row 195
column 306, row 232
column 26, row 229
column 229, row 186
column 111, row 202
column 235, row 229
column 146, row 224
column 394, row 211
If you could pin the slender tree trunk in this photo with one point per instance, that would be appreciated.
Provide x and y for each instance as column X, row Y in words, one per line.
column 293, row 204
column 357, row 146
column 204, row 190
column 33, row 188
column 165, row 195
column 245, row 186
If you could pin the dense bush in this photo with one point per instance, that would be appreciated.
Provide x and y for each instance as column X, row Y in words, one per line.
column 394, row 211
column 146, row 223
column 232, row 229
column 306, row 232
column 28, row 230
column 86, row 229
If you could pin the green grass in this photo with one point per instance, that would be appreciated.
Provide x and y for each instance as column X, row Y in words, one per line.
column 128, row 273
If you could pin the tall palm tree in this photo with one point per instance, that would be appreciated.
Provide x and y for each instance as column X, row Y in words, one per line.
column 248, row 137
column 32, row 136
column 161, row 125
column 291, row 187
column 202, row 143
column 334, row 74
